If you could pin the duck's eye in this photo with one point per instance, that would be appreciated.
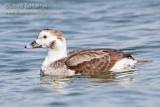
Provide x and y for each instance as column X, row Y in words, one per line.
column 44, row 36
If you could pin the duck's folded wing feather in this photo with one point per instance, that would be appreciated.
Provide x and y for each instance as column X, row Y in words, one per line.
column 89, row 62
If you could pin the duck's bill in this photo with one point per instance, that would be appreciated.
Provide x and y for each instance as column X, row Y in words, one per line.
column 34, row 44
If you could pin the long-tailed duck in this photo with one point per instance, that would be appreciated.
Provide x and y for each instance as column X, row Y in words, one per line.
column 82, row 61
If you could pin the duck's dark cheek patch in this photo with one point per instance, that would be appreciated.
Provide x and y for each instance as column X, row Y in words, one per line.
column 52, row 44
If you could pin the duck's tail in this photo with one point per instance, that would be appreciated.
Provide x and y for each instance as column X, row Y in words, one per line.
column 143, row 61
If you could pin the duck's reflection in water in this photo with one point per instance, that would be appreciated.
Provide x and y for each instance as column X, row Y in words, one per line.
column 55, row 81
column 109, row 78
column 114, row 78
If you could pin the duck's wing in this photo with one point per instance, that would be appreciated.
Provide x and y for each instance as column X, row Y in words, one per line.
column 107, row 50
column 89, row 62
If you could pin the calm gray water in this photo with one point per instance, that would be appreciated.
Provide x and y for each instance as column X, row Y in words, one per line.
column 86, row 24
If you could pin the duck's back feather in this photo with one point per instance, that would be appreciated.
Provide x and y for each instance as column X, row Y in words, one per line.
column 93, row 61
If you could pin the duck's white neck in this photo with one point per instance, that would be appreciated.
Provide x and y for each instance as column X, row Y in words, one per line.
column 54, row 55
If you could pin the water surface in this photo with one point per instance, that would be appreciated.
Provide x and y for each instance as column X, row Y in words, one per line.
column 116, row 24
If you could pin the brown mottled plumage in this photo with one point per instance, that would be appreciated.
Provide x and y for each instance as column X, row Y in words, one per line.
column 90, row 61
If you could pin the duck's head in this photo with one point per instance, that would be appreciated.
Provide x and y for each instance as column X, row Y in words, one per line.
column 49, row 38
